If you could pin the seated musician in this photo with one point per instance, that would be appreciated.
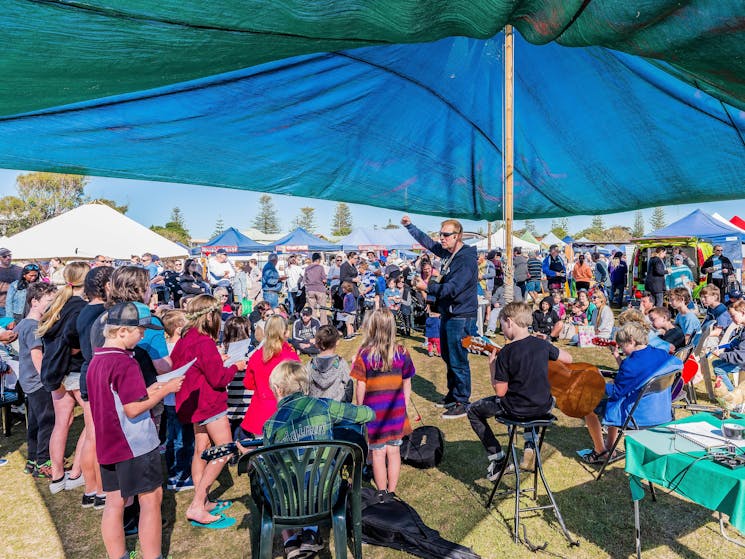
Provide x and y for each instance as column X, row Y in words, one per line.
column 300, row 417
column 662, row 322
column 642, row 363
column 519, row 375
column 732, row 358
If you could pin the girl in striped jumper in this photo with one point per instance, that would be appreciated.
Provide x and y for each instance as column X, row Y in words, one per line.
column 383, row 369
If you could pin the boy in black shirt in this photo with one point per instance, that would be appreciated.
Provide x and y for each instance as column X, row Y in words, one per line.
column 519, row 375
column 661, row 321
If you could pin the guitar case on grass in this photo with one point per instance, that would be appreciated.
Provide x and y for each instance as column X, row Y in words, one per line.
column 397, row 525
column 423, row 447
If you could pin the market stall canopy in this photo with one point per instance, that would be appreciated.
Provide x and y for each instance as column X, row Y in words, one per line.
column 87, row 231
column 235, row 243
column 498, row 241
column 377, row 240
column 552, row 239
column 699, row 224
column 737, row 221
column 183, row 92
column 300, row 240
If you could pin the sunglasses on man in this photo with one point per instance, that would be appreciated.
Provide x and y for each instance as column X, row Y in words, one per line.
column 446, row 234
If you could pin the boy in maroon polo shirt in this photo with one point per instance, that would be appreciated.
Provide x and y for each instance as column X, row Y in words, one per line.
column 126, row 437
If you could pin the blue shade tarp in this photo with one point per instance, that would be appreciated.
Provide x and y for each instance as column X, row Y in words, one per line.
column 412, row 127
column 234, row 242
column 699, row 224
column 300, row 240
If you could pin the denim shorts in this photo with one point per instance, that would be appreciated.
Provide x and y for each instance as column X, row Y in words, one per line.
column 381, row 446
column 533, row 285
column 214, row 418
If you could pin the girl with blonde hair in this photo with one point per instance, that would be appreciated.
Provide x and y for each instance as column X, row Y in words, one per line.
column 271, row 353
column 602, row 318
column 383, row 369
column 203, row 402
column 60, row 372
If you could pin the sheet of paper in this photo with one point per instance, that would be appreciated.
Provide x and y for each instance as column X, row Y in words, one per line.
column 705, row 434
column 181, row 371
column 237, row 351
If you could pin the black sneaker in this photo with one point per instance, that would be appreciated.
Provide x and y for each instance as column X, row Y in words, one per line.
column 455, row 411
column 380, row 495
column 88, row 501
column 30, row 467
column 311, row 542
column 99, row 502
column 443, row 403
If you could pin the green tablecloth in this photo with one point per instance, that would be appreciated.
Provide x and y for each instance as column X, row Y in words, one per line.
column 668, row 460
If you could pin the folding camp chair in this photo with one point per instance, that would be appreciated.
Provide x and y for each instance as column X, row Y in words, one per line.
column 655, row 385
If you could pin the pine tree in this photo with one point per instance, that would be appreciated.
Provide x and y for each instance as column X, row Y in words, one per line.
column 306, row 219
column 637, row 230
column 266, row 221
column 657, row 221
column 342, row 222
column 177, row 217
column 530, row 227
column 560, row 227
column 598, row 223
column 219, row 227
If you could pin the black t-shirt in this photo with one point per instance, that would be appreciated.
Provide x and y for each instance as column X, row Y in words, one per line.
column 543, row 323
column 523, row 365
column 675, row 336
column 84, row 323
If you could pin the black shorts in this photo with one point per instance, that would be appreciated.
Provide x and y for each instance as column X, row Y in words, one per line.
column 134, row 476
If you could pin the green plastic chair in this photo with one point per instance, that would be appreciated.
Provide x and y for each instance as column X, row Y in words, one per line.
column 301, row 484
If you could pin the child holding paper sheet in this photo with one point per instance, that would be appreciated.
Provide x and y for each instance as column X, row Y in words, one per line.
column 236, row 332
column 203, row 401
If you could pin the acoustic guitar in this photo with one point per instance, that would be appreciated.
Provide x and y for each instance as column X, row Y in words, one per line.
column 577, row 387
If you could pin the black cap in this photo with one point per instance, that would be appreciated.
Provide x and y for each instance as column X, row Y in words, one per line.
column 307, row 311
column 221, row 251
column 131, row 314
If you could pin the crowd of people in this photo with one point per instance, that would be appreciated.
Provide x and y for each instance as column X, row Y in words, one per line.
column 98, row 336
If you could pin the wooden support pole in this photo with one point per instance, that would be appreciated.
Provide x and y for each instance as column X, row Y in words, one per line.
column 509, row 157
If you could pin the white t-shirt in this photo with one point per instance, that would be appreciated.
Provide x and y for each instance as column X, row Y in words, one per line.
column 294, row 275
column 217, row 270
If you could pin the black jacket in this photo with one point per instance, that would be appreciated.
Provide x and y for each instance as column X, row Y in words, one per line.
column 726, row 263
column 655, row 280
column 456, row 293
column 58, row 342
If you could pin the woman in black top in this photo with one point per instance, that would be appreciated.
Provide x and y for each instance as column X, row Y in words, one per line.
column 96, row 282
column 655, row 280
column 60, row 371
column 190, row 281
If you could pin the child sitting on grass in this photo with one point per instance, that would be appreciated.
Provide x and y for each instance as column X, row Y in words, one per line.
column 126, row 437
column 641, row 364
column 328, row 373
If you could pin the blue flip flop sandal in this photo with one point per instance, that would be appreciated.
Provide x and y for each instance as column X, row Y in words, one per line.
column 222, row 522
column 221, row 506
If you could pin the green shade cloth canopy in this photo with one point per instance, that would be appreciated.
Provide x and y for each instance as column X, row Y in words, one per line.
column 57, row 52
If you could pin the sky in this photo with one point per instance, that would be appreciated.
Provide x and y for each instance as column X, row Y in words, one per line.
column 151, row 203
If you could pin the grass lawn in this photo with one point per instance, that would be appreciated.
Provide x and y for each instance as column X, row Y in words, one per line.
column 450, row 498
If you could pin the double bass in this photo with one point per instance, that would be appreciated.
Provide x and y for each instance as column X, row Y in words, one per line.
column 577, row 387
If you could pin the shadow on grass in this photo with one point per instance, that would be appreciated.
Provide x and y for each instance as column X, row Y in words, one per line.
column 17, row 436
column 424, row 388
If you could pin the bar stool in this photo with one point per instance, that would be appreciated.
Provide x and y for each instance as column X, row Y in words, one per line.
column 540, row 425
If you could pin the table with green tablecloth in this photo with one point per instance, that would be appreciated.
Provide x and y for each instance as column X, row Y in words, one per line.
column 665, row 457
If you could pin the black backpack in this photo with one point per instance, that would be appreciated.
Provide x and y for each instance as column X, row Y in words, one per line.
column 423, row 448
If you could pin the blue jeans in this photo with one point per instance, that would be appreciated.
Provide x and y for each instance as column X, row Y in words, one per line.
column 179, row 446
column 452, row 331
column 271, row 297
column 722, row 370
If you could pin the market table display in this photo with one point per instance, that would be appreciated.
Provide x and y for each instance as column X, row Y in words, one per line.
column 675, row 456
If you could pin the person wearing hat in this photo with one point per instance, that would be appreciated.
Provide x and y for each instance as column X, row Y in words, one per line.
column 8, row 274
column 718, row 268
column 126, row 436
column 220, row 269
column 304, row 333
column 680, row 275
column 271, row 281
